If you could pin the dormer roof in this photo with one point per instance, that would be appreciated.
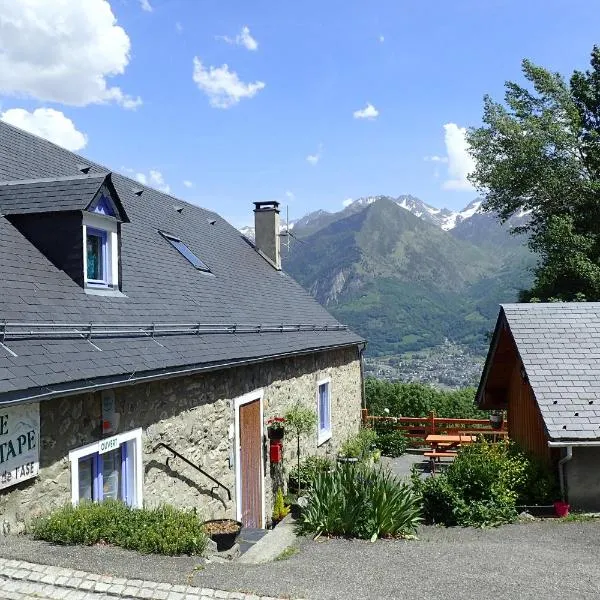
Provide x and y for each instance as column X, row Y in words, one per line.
column 62, row 194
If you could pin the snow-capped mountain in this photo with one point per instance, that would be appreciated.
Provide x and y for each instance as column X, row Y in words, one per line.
column 443, row 218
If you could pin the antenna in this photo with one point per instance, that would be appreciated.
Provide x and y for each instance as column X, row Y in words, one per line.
column 287, row 226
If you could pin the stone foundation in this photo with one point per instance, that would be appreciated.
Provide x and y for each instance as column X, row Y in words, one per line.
column 195, row 416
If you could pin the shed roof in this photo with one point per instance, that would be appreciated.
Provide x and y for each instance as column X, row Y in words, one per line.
column 158, row 284
column 559, row 346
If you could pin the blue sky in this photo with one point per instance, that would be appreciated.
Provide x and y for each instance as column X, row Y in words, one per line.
column 121, row 73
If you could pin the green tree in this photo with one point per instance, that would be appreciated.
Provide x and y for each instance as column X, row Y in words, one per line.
column 300, row 421
column 540, row 152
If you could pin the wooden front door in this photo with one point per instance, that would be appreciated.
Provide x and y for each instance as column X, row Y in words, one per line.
column 250, row 464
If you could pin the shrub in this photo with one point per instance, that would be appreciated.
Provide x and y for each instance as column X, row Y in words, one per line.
column 164, row 530
column 309, row 467
column 280, row 510
column 538, row 484
column 483, row 485
column 359, row 445
column 357, row 501
column 392, row 442
column 441, row 503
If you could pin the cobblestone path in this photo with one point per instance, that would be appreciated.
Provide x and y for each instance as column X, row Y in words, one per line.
column 21, row 580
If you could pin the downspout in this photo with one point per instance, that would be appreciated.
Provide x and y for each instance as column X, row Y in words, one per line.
column 561, row 472
column 361, row 350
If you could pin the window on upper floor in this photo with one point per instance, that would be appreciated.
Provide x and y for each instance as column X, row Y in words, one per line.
column 101, row 244
column 323, row 411
column 101, row 252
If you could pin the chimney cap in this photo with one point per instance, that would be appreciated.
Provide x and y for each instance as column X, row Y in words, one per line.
column 267, row 205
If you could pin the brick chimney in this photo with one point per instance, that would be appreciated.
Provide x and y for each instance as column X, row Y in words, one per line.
column 266, row 231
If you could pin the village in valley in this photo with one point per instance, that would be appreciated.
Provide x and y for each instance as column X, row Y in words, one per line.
column 299, row 301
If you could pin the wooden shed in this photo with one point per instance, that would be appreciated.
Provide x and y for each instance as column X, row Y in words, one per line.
column 543, row 369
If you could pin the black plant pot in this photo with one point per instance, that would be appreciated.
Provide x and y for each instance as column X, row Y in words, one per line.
column 224, row 541
column 275, row 434
column 496, row 421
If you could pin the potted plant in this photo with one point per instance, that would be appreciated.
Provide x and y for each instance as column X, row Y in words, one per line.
column 223, row 532
column 276, row 428
column 496, row 419
column 350, row 451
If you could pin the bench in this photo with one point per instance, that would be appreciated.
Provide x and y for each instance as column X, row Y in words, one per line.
column 433, row 455
column 439, row 454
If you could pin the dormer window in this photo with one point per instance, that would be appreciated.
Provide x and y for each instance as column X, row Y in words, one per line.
column 74, row 221
column 101, row 248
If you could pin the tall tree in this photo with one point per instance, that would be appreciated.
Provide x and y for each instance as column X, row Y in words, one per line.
column 540, row 152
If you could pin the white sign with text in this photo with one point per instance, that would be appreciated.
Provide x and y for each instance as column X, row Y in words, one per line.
column 19, row 443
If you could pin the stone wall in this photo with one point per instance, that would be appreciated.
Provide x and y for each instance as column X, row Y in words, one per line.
column 194, row 415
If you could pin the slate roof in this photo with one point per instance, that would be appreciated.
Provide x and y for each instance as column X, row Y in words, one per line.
column 559, row 344
column 158, row 284
column 49, row 194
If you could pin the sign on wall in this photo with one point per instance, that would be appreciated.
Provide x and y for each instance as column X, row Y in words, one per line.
column 19, row 443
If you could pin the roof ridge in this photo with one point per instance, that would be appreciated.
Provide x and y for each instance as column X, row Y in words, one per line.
column 57, row 178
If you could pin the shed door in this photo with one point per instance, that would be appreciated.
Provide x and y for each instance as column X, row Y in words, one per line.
column 250, row 464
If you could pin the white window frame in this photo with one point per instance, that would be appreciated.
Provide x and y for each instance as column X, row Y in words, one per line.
column 110, row 226
column 135, row 436
column 239, row 401
column 323, row 435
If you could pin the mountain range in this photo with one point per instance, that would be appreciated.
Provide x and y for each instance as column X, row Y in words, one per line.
column 406, row 275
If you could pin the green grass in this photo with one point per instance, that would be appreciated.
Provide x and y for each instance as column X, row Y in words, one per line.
column 288, row 553
column 580, row 517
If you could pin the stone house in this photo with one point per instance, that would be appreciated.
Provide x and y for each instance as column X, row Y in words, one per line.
column 543, row 369
column 142, row 337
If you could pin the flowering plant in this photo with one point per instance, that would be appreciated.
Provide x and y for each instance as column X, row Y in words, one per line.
column 276, row 424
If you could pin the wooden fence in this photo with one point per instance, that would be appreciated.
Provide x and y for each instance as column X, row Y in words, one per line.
column 418, row 428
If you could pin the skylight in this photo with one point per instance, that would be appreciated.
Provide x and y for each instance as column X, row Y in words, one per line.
column 185, row 252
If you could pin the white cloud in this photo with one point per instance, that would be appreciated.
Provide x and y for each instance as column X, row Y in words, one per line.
column 241, row 39
column 153, row 179
column 368, row 112
column 47, row 123
column 188, row 184
column 347, row 202
column 313, row 159
column 222, row 86
column 460, row 162
column 435, row 158
column 381, row 39
column 62, row 51
column 145, row 4
column 289, row 195
column 178, row 27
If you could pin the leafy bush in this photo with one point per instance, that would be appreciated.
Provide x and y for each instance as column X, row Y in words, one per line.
column 359, row 445
column 483, row 485
column 280, row 510
column 309, row 467
column 391, row 442
column 357, row 501
column 441, row 502
column 418, row 400
column 164, row 530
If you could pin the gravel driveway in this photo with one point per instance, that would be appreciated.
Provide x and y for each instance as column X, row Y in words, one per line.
column 543, row 559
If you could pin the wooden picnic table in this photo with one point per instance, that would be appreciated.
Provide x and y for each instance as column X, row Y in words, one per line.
column 445, row 445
